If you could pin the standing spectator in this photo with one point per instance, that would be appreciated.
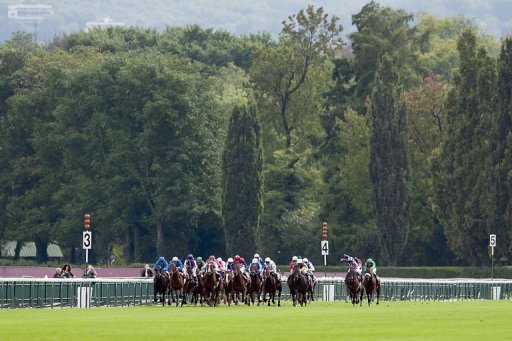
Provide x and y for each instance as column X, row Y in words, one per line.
column 58, row 273
column 146, row 272
column 66, row 271
column 90, row 272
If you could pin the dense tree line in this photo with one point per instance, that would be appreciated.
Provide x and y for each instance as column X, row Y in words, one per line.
column 197, row 140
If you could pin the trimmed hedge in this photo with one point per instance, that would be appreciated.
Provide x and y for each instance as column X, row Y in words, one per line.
column 428, row 272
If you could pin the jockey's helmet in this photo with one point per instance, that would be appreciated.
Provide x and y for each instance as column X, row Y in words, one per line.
column 305, row 260
column 299, row 261
column 200, row 259
column 256, row 255
column 190, row 256
column 369, row 260
column 254, row 260
column 230, row 260
column 219, row 259
column 295, row 258
column 211, row 257
column 267, row 260
column 175, row 259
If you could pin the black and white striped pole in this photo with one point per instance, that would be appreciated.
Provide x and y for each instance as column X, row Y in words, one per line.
column 325, row 246
column 492, row 244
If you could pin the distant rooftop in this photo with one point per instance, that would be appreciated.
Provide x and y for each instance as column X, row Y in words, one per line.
column 106, row 22
column 28, row 250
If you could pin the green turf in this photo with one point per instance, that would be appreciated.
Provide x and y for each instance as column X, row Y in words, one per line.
column 462, row 320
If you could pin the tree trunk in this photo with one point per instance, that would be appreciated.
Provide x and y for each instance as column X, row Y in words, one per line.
column 41, row 250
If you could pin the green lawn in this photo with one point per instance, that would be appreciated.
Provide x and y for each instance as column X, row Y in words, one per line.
column 462, row 320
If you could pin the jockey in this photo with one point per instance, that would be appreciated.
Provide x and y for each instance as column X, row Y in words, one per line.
column 200, row 264
column 230, row 264
column 258, row 266
column 354, row 263
column 222, row 266
column 269, row 263
column 239, row 260
column 370, row 264
column 213, row 261
column 302, row 267
column 146, row 271
column 177, row 263
column 293, row 263
column 310, row 266
column 260, row 260
column 191, row 263
column 162, row 263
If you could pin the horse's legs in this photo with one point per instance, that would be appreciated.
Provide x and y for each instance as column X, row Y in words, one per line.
column 279, row 296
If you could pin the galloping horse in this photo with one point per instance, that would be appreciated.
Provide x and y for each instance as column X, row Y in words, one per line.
column 371, row 286
column 229, row 291
column 298, row 285
column 161, row 285
column 177, row 285
column 354, row 287
column 239, row 283
column 270, row 285
column 311, row 288
column 255, row 285
column 212, row 284
column 193, row 289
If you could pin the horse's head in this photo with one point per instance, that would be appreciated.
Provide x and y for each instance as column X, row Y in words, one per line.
column 266, row 273
column 210, row 267
column 254, row 268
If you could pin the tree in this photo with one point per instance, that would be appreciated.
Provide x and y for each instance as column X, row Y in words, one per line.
column 242, row 181
column 380, row 31
column 501, row 155
column 462, row 194
column 388, row 160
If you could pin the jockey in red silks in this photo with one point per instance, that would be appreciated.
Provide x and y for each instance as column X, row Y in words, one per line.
column 241, row 262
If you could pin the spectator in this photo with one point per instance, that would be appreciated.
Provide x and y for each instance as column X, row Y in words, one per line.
column 66, row 271
column 57, row 273
column 90, row 272
column 146, row 272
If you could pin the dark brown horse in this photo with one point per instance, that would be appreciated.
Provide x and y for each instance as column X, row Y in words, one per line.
column 271, row 285
column 298, row 285
column 193, row 287
column 240, row 283
column 161, row 285
column 354, row 287
column 229, row 291
column 177, row 285
column 371, row 286
column 310, row 293
column 212, row 284
column 255, row 285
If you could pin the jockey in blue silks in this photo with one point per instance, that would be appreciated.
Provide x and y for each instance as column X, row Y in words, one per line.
column 177, row 263
column 260, row 260
column 162, row 263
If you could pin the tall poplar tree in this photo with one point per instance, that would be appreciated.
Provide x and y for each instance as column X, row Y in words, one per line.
column 242, row 181
column 461, row 181
column 501, row 154
column 388, row 160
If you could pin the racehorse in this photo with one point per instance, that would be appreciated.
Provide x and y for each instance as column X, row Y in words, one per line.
column 177, row 285
column 354, row 287
column 193, row 288
column 310, row 293
column 212, row 284
column 271, row 284
column 161, row 285
column 239, row 284
column 229, row 292
column 298, row 285
column 255, row 284
column 371, row 286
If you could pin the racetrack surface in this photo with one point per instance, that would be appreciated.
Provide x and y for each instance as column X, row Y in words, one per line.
column 440, row 320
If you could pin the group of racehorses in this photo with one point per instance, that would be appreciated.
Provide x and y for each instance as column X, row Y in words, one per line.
column 357, row 286
column 235, row 286
column 210, row 287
